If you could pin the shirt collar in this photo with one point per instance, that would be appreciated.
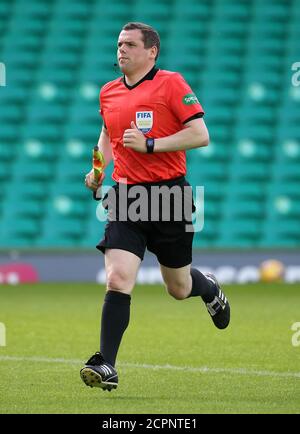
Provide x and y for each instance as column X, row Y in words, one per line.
column 149, row 76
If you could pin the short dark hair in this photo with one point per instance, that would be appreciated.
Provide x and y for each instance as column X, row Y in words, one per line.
column 150, row 35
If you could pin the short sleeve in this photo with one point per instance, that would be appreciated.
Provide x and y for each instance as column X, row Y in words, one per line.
column 182, row 100
column 100, row 104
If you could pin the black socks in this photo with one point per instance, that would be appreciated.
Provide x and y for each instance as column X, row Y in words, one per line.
column 116, row 313
column 114, row 321
column 202, row 286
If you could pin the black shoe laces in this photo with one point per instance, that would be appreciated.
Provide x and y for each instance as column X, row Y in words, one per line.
column 96, row 359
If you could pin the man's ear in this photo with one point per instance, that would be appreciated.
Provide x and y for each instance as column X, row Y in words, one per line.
column 153, row 52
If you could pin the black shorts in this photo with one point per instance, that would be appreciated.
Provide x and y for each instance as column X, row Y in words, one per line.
column 139, row 221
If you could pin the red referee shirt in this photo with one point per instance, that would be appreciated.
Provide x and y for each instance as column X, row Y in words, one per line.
column 159, row 105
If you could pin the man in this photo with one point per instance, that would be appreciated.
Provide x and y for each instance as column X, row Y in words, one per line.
column 151, row 117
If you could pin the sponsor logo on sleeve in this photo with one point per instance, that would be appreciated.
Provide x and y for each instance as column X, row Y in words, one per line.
column 190, row 99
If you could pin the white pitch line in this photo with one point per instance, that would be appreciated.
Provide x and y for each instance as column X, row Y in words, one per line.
column 201, row 370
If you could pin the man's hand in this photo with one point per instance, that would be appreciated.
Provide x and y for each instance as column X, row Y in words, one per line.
column 135, row 139
column 90, row 181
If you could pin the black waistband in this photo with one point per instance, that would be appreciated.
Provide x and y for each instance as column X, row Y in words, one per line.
column 169, row 182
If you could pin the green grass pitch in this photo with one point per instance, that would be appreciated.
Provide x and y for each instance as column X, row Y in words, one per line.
column 252, row 367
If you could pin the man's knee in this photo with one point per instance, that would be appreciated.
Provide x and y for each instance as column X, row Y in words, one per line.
column 178, row 290
column 119, row 279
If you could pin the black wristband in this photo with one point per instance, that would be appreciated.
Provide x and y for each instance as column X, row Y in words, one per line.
column 150, row 145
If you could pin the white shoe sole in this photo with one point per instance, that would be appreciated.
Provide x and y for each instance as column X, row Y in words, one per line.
column 93, row 379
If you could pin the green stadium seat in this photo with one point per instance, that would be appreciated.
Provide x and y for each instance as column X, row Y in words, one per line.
column 54, row 112
column 32, row 8
column 209, row 232
column 228, row 96
column 230, row 27
column 283, row 229
column 246, row 226
column 68, row 227
column 27, row 42
column 290, row 171
column 15, row 58
column 213, row 77
column 253, row 151
column 217, row 152
column 19, row 75
column 44, row 131
column 86, row 132
column 33, row 151
column 271, row 10
column 284, row 187
column 278, row 242
column 69, row 9
column 71, row 43
column 94, row 227
column 32, row 25
column 254, row 189
column 237, row 207
column 260, row 132
column 213, row 189
column 212, row 208
column 106, row 60
column 10, row 241
column 73, row 25
column 5, row 171
column 98, row 77
column 257, row 112
column 28, row 189
column 221, row 114
column 239, row 233
column 192, row 9
column 73, row 189
column 70, row 169
column 6, row 152
column 40, row 170
column 20, row 207
column 21, row 227
column 112, row 9
column 8, row 132
column 56, row 242
column 55, row 75
column 11, row 113
column 250, row 171
column 85, row 111
column 5, row 8
column 16, row 94
column 203, row 172
column 235, row 10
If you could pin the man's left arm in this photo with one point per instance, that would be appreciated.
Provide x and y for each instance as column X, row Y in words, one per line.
column 193, row 135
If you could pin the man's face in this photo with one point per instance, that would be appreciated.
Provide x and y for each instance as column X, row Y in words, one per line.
column 132, row 55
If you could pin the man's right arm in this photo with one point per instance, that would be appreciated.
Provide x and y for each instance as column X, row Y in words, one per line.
column 105, row 147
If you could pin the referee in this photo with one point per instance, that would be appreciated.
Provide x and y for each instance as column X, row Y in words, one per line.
column 151, row 117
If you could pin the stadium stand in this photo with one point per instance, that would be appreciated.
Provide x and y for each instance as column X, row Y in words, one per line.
column 237, row 56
